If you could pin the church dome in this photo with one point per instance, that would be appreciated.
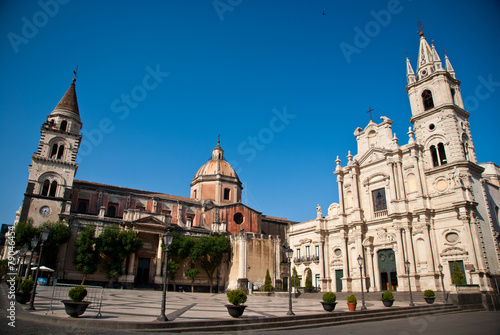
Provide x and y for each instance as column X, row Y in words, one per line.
column 214, row 167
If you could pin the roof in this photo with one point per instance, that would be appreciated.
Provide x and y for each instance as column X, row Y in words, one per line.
column 120, row 189
column 69, row 102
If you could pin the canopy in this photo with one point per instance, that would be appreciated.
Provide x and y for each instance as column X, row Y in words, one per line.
column 43, row 268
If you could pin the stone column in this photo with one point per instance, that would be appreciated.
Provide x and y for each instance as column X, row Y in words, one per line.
column 394, row 195
column 159, row 254
column 400, row 261
column 242, row 257
column 409, row 250
column 401, row 180
column 369, row 268
column 428, row 249
column 340, row 181
column 376, row 271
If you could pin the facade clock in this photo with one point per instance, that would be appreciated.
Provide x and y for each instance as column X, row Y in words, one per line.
column 45, row 210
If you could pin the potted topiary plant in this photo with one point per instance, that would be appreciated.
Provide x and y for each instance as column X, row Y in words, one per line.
column 76, row 306
column 236, row 298
column 25, row 288
column 387, row 298
column 329, row 301
column 351, row 302
column 429, row 296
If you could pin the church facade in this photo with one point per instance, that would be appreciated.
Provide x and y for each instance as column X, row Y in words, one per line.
column 425, row 203
column 214, row 207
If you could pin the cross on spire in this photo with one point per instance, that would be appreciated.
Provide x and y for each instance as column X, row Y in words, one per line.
column 76, row 73
column 370, row 110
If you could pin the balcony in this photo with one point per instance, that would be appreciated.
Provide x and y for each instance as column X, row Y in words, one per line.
column 381, row 214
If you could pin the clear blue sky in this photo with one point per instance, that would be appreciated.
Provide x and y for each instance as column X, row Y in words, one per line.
column 228, row 69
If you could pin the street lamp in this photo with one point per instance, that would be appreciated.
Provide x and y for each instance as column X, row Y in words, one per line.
column 360, row 262
column 407, row 267
column 440, row 268
column 289, row 255
column 167, row 240
column 22, row 253
column 34, row 243
column 43, row 237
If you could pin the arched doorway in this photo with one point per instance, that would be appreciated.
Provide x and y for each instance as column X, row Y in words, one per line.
column 387, row 268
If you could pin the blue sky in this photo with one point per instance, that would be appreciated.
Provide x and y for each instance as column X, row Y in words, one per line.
column 270, row 76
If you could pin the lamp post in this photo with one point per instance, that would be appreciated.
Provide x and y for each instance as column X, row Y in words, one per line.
column 34, row 243
column 360, row 262
column 167, row 240
column 440, row 268
column 289, row 255
column 407, row 266
column 43, row 237
column 22, row 253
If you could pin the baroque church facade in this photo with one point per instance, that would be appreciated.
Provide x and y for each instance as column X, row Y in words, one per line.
column 214, row 207
column 427, row 203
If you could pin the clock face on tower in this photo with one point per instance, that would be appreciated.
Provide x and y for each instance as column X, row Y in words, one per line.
column 45, row 210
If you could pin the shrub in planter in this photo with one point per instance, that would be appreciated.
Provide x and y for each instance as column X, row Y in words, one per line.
column 329, row 301
column 352, row 299
column 329, row 297
column 236, row 298
column 76, row 306
column 429, row 296
column 387, row 298
column 77, row 293
column 26, row 286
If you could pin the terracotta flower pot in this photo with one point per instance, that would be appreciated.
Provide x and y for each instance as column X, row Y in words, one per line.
column 351, row 306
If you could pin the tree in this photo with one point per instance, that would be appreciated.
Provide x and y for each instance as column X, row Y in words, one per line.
column 295, row 278
column 209, row 251
column 457, row 276
column 192, row 273
column 268, row 284
column 59, row 234
column 24, row 233
column 309, row 284
column 172, row 268
column 86, row 255
column 116, row 245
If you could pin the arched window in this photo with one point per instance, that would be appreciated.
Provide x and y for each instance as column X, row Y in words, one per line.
column 427, row 100
column 112, row 211
column 45, row 188
column 227, row 193
column 465, row 146
column 453, row 95
column 435, row 161
column 53, row 153
column 60, row 152
column 442, row 154
column 438, row 155
column 53, row 189
column 63, row 126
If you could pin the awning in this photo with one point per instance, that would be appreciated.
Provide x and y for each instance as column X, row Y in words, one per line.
column 43, row 268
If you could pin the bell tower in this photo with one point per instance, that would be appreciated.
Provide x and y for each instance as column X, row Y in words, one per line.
column 53, row 165
column 438, row 115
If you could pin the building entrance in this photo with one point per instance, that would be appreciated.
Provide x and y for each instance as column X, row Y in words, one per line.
column 387, row 267
column 142, row 277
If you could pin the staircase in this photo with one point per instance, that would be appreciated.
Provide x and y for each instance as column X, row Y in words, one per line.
column 305, row 321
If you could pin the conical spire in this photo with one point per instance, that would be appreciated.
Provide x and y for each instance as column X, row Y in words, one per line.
column 410, row 75
column 436, row 60
column 449, row 68
column 69, row 102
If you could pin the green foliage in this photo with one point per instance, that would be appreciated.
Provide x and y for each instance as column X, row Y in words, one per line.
column 77, row 293
column 268, row 284
column 429, row 294
column 116, row 245
column 24, row 233
column 309, row 284
column 172, row 267
column 295, row 278
column 352, row 298
column 236, row 297
column 192, row 273
column 457, row 276
column 387, row 295
column 27, row 285
column 59, row 234
column 209, row 251
column 3, row 267
column 329, row 297
column 86, row 255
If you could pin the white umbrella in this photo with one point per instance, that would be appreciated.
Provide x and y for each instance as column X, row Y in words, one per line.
column 43, row 268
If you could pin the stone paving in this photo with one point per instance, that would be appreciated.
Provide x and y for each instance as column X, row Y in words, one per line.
column 144, row 306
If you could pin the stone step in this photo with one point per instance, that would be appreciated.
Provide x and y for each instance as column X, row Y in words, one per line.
column 309, row 321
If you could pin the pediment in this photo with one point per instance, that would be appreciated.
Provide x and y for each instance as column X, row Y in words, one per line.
column 151, row 220
column 373, row 155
